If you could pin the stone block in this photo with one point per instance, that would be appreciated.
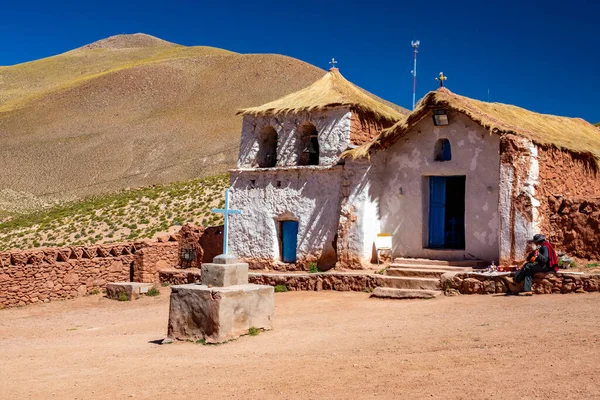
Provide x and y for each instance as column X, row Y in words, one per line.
column 225, row 259
column 132, row 290
column 224, row 274
column 219, row 314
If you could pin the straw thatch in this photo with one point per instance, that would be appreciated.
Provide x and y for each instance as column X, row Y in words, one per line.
column 332, row 90
column 573, row 134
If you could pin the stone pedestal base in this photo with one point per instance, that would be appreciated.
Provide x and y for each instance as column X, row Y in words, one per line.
column 131, row 290
column 219, row 314
column 224, row 274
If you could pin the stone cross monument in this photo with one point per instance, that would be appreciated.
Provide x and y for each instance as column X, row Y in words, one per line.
column 224, row 306
column 225, row 257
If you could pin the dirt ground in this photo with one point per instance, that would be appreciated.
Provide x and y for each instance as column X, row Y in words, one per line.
column 326, row 345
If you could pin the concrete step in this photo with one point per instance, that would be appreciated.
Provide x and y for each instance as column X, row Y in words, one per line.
column 449, row 263
column 391, row 293
column 416, row 272
column 397, row 266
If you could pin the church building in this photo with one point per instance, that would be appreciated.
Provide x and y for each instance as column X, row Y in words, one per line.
column 325, row 170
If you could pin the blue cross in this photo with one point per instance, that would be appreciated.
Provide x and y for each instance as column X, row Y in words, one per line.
column 226, row 211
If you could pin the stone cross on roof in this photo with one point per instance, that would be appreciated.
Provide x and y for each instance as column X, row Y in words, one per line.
column 441, row 79
column 333, row 62
column 226, row 211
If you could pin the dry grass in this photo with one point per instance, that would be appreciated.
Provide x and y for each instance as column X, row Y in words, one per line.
column 573, row 134
column 330, row 91
column 116, row 217
column 128, row 111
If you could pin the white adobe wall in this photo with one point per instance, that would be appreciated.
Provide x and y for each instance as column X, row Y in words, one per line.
column 333, row 127
column 360, row 218
column 405, row 187
column 519, row 207
column 310, row 195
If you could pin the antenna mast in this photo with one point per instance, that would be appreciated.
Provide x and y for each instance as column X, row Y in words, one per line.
column 415, row 45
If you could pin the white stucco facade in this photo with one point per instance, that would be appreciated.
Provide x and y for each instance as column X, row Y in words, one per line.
column 342, row 206
column 408, row 165
column 332, row 126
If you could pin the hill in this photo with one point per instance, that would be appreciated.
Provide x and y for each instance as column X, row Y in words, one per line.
column 128, row 111
column 120, row 216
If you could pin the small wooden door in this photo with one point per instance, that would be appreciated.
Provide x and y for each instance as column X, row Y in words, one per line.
column 437, row 211
column 289, row 240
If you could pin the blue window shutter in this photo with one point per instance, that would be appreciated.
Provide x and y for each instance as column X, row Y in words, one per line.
column 437, row 210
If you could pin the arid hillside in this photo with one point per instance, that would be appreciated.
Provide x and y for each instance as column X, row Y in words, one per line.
column 128, row 111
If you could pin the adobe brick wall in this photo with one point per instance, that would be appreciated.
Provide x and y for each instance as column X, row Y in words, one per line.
column 569, row 196
column 363, row 130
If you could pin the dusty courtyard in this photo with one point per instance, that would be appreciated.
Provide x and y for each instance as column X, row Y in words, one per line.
column 326, row 345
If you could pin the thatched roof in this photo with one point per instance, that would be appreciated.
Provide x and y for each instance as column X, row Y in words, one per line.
column 331, row 90
column 573, row 134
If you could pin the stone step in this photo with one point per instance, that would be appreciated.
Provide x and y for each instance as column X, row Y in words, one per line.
column 391, row 293
column 400, row 282
column 397, row 266
column 450, row 263
column 417, row 272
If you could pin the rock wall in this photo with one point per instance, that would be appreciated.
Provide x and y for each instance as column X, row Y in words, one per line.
column 569, row 196
column 151, row 257
column 543, row 283
column 574, row 225
column 42, row 275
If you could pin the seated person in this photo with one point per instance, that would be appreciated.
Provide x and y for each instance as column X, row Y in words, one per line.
column 542, row 259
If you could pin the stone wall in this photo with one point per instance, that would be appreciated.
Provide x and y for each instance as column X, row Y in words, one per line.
column 151, row 257
column 574, row 225
column 207, row 243
column 569, row 196
column 543, row 283
column 42, row 275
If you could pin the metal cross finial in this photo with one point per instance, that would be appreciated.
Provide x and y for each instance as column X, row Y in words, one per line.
column 226, row 212
column 441, row 79
column 333, row 62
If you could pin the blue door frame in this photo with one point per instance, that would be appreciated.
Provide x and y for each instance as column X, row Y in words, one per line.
column 289, row 241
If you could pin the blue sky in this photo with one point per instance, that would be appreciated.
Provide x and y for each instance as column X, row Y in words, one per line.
column 541, row 55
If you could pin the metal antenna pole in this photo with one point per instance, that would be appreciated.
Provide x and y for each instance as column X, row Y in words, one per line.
column 415, row 45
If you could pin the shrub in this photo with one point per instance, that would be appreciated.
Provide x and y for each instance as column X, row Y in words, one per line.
column 281, row 288
column 253, row 331
column 312, row 268
column 153, row 292
column 123, row 297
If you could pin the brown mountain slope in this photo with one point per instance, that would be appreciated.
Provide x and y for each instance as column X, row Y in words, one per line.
column 128, row 111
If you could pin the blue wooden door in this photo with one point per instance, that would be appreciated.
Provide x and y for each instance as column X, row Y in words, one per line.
column 289, row 230
column 437, row 210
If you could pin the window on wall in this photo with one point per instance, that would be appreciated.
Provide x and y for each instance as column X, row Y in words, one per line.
column 309, row 144
column 267, row 154
column 443, row 151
